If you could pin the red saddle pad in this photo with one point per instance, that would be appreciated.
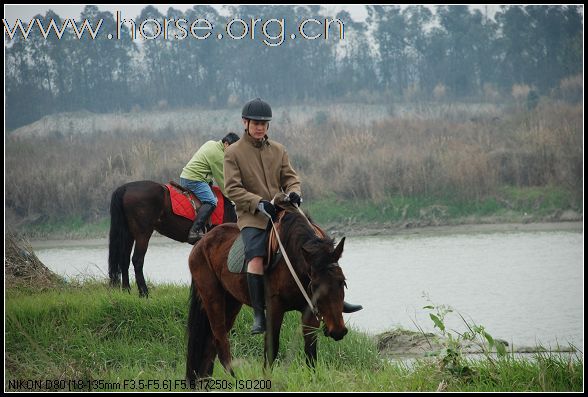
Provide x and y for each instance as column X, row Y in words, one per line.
column 181, row 206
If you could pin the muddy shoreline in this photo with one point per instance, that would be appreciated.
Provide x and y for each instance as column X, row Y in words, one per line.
column 365, row 230
column 409, row 229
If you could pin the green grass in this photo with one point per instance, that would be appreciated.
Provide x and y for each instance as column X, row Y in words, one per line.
column 69, row 227
column 508, row 205
column 540, row 201
column 121, row 342
column 546, row 372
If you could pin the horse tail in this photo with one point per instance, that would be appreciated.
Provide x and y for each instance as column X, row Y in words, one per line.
column 199, row 336
column 119, row 236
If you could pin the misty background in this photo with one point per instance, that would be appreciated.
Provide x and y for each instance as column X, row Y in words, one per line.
column 415, row 101
column 399, row 53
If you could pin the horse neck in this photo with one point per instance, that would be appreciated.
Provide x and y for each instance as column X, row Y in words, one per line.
column 295, row 236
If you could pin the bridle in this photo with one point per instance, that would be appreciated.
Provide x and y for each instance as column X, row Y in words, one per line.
column 313, row 294
column 311, row 302
column 294, row 275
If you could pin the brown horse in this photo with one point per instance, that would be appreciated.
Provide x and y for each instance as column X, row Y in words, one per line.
column 217, row 294
column 136, row 210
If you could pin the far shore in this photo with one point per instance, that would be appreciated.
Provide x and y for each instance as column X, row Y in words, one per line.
column 364, row 230
column 408, row 229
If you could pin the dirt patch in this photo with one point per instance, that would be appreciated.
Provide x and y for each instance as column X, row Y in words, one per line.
column 404, row 343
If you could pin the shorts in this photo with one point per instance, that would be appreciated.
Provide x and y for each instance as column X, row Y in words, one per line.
column 255, row 242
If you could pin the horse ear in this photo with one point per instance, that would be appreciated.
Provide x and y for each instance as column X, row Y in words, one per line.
column 339, row 250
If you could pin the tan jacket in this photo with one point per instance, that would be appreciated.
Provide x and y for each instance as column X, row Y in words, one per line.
column 255, row 172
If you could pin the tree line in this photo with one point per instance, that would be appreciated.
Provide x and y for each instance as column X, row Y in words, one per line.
column 398, row 53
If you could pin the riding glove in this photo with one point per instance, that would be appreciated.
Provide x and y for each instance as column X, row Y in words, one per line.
column 268, row 209
column 294, row 198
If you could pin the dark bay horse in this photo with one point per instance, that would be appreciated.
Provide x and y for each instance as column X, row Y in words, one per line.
column 217, row 294
column 136, row 210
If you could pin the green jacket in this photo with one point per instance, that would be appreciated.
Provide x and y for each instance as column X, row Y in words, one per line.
column 206, row 164
column 254, row 172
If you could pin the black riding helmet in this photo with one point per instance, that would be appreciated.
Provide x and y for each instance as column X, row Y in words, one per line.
column 257, row 109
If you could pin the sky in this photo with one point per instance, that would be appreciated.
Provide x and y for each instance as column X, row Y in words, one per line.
column 26, row 11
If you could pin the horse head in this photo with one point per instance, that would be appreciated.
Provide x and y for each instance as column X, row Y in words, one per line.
column 327, row 283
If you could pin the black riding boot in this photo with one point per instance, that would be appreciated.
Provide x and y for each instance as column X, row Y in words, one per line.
column 257, row 295
column 350, row 307
column 198, row 227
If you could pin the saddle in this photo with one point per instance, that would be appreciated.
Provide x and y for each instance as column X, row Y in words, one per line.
column 186, row 204
column 236, row 260
column 182, row 189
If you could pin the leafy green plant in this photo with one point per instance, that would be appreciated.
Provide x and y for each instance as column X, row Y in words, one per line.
column 452, row 358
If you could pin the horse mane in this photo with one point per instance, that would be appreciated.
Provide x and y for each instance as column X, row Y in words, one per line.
column 296, row 232
column 297, row 228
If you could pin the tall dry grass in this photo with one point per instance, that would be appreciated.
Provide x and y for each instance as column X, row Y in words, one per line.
column 22, row 268
column 469, row 158
column 465, row 157
column 74, row 176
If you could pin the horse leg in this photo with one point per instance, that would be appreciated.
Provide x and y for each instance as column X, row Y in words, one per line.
column 141, row 244
column 214, row 302
column 126, row 262
column 207, row 365
column 310, row 325
column 232, row 307
column 219, row 330
column 275, row 317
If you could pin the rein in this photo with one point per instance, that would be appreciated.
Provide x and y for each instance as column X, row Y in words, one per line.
column 291, row 268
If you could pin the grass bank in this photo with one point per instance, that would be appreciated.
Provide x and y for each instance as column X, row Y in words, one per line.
column 88, row 332
column 509, row 205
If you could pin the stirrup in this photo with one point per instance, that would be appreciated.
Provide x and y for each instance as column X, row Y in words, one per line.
column 194, row 237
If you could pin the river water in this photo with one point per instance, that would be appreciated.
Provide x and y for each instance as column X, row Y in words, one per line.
column 524, row 287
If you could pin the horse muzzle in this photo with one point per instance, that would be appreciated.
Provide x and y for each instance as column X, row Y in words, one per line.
column 336, row 334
